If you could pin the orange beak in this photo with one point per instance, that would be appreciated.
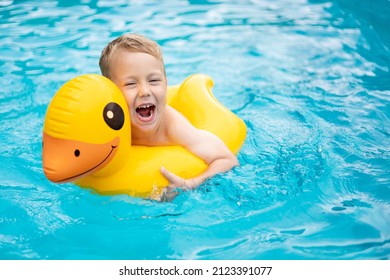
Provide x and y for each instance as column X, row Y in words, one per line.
column 68, row 160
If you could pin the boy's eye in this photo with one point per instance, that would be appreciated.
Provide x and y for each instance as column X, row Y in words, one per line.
column 130, row 84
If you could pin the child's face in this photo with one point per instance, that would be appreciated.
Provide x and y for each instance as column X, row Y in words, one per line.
column 141, row 79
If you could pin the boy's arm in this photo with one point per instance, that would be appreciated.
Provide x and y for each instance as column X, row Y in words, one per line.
column 203, row 144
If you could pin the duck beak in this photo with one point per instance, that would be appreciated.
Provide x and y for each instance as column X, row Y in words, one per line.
column 67, row 160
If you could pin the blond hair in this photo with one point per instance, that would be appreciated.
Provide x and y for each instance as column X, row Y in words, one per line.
column 131, row 42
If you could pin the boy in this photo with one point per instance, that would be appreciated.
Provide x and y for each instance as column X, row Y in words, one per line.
column 135, row 64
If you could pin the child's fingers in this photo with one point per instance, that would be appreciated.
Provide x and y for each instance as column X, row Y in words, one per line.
column 174, row 180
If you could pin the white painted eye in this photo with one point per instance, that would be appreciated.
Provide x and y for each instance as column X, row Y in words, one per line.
column 110, row 114
column 113, row 116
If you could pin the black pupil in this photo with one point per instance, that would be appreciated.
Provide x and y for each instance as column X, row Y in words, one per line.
column 113, row 116
column 76, row 153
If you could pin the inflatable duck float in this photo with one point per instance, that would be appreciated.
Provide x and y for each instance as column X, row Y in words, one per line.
column 87, row 136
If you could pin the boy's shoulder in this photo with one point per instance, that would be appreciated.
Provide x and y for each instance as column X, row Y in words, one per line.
column 178, row 126
column 174, row 117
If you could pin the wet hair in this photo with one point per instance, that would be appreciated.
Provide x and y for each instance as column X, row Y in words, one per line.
column 131, row 42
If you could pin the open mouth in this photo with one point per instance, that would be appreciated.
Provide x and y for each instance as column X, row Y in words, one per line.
column 146, row 112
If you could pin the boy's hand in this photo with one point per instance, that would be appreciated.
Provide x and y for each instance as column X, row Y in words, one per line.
column 178, row 182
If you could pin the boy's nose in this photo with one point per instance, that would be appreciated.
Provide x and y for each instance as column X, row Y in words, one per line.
column 144, row 90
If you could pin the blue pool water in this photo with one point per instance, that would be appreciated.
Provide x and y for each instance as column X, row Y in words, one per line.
column 309, row 78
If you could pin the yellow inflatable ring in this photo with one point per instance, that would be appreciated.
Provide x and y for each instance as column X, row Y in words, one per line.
column 87, row 137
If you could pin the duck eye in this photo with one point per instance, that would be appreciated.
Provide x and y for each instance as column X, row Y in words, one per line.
column 113, row 116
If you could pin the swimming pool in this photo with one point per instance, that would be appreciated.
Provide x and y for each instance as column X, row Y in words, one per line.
column 310, row 79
